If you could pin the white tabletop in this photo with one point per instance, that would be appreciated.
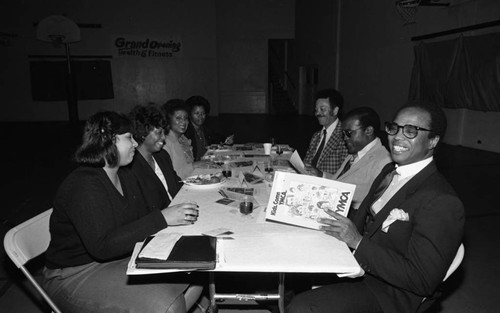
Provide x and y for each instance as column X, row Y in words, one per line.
column 258, row 245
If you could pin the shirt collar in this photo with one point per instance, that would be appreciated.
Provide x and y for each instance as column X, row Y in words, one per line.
column 367, row 148
column 412, row 169
column 331, row 128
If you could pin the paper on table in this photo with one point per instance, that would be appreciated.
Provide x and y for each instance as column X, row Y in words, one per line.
column 296, row 161
column 133, row 270
column 218, row 232
column 241, row 180
column 278, row 252
column 160, row 246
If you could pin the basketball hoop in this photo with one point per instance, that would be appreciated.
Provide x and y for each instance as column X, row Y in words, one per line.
column 58, row 30
column 57, row 40
column 61, row 31
column 407, row 9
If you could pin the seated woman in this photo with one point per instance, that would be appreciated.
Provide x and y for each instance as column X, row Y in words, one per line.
column 99, row 214
column 152, row 166
column 200, row 135
column 177, row 145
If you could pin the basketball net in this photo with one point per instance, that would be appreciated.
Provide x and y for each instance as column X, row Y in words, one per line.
column 407, row 9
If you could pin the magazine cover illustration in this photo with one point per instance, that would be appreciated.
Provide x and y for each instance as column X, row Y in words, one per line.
column 300, row 199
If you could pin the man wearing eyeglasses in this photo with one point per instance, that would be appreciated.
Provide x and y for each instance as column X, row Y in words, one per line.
column 327, row 150
column 406, row 232
column 367, row 156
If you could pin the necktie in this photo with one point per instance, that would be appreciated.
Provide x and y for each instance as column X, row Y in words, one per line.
column 384, row 184
column 348, row 164
column 315, row 159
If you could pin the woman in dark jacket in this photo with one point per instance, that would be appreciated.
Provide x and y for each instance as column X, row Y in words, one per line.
column 201, row 136
column 152, row 165
column 99, row 215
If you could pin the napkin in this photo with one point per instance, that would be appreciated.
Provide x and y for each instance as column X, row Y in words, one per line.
column 395, row 215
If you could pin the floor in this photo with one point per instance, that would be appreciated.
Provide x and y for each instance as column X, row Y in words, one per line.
column 37, row 157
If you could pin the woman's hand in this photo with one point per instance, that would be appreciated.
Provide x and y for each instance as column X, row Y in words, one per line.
column 181, row 214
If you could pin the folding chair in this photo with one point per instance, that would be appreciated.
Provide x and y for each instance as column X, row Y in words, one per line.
column 27, row 241
column 456, row 262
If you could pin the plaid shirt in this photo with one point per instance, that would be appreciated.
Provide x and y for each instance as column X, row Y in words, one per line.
column 333, row 154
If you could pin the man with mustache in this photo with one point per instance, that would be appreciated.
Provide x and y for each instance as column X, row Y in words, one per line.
column 327, row 150
column 406, row 232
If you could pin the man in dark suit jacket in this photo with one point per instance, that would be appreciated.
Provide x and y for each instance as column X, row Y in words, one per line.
column 327, row 150
column 407, row 238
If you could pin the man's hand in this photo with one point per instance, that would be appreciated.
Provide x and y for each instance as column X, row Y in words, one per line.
column 341, row 228
column 229, row 140
column 312, row 171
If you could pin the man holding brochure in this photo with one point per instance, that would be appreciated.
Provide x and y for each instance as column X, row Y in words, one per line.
column 367, row 156
column 406, row 231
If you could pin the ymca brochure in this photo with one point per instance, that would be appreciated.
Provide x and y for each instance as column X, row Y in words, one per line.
column 301, row 199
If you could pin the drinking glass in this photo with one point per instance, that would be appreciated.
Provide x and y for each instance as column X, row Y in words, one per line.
column 246, row 205
column 226, row 170
column 279, row 150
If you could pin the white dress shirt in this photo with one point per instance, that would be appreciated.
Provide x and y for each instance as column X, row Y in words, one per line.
column 364, row 151
column 160, row 175
column 403, row 174
column 329, row 132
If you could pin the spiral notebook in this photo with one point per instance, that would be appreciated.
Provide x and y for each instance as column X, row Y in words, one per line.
column 191, row 252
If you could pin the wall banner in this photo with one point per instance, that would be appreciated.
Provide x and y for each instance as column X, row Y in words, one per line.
column 146, row 47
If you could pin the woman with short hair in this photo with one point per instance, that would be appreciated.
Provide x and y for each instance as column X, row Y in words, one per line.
column 177, row 145
column 201, row 136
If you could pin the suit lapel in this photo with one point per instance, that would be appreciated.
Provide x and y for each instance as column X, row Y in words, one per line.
column 145, row 166
column 165, row 165
column 332, row 142
column 360, row 216
column 341, row 168
column 148, row 170
column 361, row 163
column 399, row 198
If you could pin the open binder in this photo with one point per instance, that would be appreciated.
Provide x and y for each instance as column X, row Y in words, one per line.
column 189, row 252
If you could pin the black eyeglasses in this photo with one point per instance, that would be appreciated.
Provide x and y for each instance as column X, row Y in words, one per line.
column 409, row 131
column 348, row 132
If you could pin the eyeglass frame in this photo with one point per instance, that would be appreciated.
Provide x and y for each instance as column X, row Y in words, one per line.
column 348, row 132
column 402, row 127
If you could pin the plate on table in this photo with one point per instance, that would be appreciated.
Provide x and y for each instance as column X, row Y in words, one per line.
column 219, row 148
column 242, row 163
column 205, row 181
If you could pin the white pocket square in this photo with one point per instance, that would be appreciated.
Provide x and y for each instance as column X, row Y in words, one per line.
column 395, row 215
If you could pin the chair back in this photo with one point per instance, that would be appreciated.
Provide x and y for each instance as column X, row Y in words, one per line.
column 27, row 241
column 427, row 302
column 456, row 261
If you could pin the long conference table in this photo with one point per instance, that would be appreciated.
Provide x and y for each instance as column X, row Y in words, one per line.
column 256, row 245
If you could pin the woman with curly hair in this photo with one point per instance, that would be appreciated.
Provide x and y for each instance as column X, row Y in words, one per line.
column 152, row 165
column 99, row 214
